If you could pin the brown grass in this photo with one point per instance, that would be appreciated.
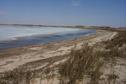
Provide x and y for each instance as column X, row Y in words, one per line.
column 86, row 61
column 82, row 62
column 118, row 40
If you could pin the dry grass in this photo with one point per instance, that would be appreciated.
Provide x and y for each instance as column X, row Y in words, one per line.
column 118, row 40
column 87, row 62
column 83, row 62
column 15, row 77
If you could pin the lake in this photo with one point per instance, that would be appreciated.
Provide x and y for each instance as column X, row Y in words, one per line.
column 19, row 36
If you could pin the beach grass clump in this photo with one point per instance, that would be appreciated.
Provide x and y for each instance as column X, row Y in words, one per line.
column 83, row 62
column 119, row 40
column 116, row 46
column 15, row 77
column 88, row 62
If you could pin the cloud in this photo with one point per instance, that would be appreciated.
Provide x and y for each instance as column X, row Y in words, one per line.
column 76, row 2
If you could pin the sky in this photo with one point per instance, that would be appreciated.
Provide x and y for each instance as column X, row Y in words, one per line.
column 64, row 12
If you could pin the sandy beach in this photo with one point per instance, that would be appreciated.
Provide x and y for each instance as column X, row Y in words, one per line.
column 14, row 58
column 37, row 59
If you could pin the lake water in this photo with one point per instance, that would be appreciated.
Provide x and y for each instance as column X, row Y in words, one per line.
column 18, row 36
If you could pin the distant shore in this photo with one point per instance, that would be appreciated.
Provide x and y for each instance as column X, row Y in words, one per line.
column 67, row 26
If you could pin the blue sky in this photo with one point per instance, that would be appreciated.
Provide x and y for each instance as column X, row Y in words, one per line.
column 64, row 12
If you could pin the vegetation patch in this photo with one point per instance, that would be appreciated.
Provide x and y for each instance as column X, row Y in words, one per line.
column 83, row 62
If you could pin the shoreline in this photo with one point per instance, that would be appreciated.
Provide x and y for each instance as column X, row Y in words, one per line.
column 14, row 58
column 42, row 39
